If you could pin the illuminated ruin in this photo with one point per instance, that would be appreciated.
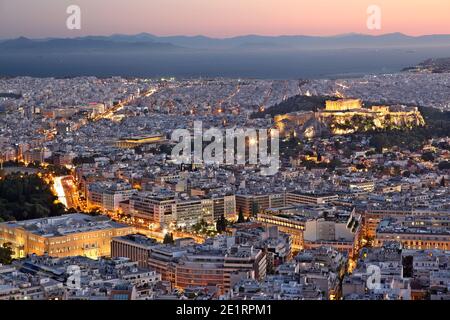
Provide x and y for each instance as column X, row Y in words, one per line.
column 348, row 116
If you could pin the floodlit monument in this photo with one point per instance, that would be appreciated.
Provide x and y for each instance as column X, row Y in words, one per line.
column 343, row 105
column 347, row 116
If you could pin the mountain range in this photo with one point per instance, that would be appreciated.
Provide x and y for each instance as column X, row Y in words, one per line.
column 146, row 41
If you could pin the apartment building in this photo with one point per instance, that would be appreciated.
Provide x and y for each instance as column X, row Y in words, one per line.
column 107, row 195
column 251, row 204
column 415, row 232
column 296, row 197
column 165, row 208
column 134, row 247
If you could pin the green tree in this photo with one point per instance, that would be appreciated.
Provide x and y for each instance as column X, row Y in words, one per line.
column 200, row 227
column 168, row 238
column 221, row 225
column 319, row 157
column 6, row 254
column 24, row 196
column 428, row 156
column 72, row 210
column 241, row 217
column 397, row 171
column 444, row 165
column 255, row 208
column 334, row 163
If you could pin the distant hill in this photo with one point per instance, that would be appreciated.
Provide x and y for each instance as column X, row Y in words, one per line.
column 352, row 40
column 441, row 65
column 294, row 104
column 25, row 45
column 249, row 42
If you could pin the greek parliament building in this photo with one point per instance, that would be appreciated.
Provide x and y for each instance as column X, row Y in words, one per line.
column 63, row 236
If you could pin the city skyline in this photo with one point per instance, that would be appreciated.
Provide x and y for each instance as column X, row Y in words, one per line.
column 295, row 151
column 221, row 20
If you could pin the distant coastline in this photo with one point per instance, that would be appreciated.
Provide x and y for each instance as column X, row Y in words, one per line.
column 258, row 57
column 440, row 65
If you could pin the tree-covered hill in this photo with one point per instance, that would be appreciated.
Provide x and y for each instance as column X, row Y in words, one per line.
column 294, row 104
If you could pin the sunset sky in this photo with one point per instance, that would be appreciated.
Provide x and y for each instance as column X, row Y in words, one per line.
column 221, row 18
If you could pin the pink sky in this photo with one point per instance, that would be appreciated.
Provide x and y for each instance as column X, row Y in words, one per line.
column 222, row 18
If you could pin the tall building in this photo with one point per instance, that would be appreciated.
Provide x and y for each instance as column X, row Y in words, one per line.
column 251, row 204
column 296, row 197
column 224, row 205
column 313, row 226
column 186, row 265
column 108, row 196
column 289, row 224
column 165, row 208
column 215, row 268
column 36, row 155
column 146, row 207
column 134, row 246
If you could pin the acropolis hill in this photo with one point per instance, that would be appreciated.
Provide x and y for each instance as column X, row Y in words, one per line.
column 347, row 116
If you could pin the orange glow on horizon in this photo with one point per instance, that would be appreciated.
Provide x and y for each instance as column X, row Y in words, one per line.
column 219, row 18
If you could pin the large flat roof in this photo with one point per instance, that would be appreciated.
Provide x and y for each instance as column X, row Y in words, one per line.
column 65, row 224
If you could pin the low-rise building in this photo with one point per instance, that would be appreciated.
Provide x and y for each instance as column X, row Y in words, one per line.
column 63, row 236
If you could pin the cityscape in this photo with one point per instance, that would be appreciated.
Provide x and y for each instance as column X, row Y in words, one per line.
column 110, row 191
